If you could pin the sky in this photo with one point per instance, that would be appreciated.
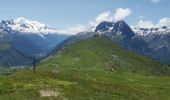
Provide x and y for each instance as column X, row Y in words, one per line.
column 78, row 15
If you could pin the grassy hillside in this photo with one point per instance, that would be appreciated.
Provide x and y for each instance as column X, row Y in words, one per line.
column 93, row 69
column 101, row 53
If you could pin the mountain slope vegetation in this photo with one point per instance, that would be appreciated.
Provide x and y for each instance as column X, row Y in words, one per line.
column 101, row 52
column 93, row 69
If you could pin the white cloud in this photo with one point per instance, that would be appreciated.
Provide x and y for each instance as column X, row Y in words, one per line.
column 122, row 13
column 149, row 24
column 145, row 24
column 74, row 29
column 164, row 22
column 106, row 16
column 155, row 1
column 118, row 14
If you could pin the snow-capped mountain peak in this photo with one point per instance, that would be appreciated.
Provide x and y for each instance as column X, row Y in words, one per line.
column 115, row 28
column 105, row 27
column 26, row 26
column 25, row 23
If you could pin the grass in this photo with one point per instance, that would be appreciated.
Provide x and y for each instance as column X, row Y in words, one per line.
column 94, row 69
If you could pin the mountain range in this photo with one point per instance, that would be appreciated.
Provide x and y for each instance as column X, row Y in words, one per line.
column 33, row 39
column 149, row 42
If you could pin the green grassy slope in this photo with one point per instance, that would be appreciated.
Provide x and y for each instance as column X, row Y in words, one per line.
column 93, row 69
column 100, row 53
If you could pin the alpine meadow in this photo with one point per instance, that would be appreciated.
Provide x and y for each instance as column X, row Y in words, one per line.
column 86, row 50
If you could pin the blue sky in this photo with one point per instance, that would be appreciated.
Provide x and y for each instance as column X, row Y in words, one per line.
column 62, row 14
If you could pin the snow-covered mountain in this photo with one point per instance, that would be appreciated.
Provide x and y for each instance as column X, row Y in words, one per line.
column 23, row 25
column 29, row 37
column 151, row 31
